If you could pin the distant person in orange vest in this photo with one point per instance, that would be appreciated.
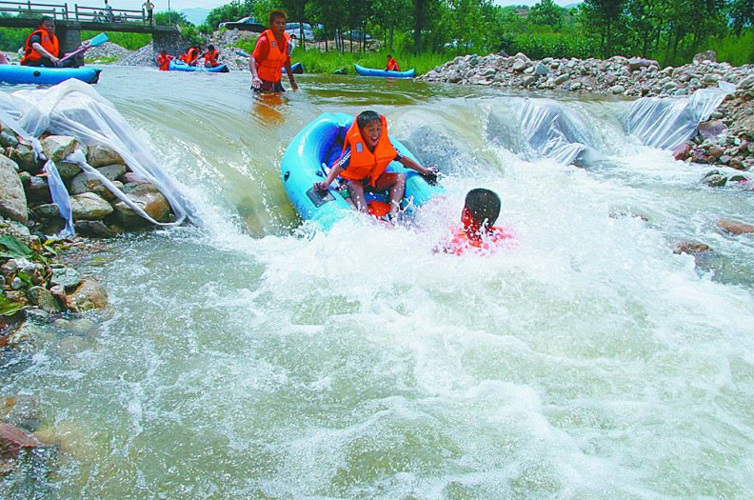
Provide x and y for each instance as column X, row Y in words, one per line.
column 477, row 232
column 211, row 56
column 190, row 56
column 367, row 152
column 270, row 55
column 163, row 60
column 392, row 64
column 42, row 47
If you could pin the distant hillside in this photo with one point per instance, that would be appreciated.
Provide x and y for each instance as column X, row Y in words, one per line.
column 196, row 15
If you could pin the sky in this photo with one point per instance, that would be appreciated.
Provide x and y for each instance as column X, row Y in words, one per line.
column 210, row 4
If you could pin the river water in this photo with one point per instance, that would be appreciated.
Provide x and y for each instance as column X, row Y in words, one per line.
column 255, row 358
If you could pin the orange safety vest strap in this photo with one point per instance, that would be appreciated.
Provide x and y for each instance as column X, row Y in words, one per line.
column 364, row 163
column 49, row 42
column 271, row 67
column 211, row 57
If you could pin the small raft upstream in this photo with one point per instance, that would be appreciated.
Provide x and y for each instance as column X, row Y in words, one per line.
column 181, row 66
column 16, row 74
column 384, row 73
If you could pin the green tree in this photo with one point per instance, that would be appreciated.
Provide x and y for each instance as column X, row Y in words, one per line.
column 605, row 15
column 171, row 18
column 547, row 13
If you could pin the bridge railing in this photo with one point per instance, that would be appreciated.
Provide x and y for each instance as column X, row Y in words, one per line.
column 35, row 10
column 100, row 15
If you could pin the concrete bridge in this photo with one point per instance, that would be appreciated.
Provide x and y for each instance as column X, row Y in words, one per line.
column 69, row 22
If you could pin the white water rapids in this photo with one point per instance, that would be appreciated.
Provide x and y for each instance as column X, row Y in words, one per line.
column 253, row 358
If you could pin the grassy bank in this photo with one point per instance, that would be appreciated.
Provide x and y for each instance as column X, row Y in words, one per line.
column 328, row 62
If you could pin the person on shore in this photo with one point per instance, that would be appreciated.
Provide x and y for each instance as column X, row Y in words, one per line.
column 366, row 154
column 148, row 7
column 392, row 64
column 42, row 47
column 211, row 56
column 163, row 60
column 270, row 55
column 477, row 232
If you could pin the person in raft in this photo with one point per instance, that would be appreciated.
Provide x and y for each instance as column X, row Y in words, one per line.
column 190, row 56
column 42, row 47
column 477, row 231
column 270, row 55
column 163, row 60
column 392, row 64
column 367, row 151
column 211, row 56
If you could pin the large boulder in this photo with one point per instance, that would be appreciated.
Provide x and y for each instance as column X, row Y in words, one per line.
column 37, row 190
column 58, row 147
column 13, row 440
column 707, row 55
column 12, row 197
column 23, row 155
column 735, row 227
column 100, row 155
column 150, row 200
column 90, row 294
column 89, row 206
column 85, row 182
column 42, row 297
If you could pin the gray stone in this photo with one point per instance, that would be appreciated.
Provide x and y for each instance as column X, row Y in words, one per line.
column 84, row 182
column 519, row 65
column 89, row 206
column 12, row 196
column 562, row 79
column 58, row 147
column 150, row 200
column 528, row 80
column 617, row 89
column 23, row 155
column 715, row 180
column 46, row 212
column 67, row 170
column 94, row 229
column 541, row 69
column 746, row 83
column 17, row 283
column 8, row 139
column 37, row 190
column 707, row 55
column 43, row 298
column 67, row 277
column 90, row 294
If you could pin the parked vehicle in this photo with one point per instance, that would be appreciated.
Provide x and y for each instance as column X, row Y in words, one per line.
column 357, row 35
column 244, row 24
column 294, row 31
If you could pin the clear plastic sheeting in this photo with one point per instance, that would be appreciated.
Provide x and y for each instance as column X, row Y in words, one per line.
column 74, row 108
column 669, row 122
column 550, row 130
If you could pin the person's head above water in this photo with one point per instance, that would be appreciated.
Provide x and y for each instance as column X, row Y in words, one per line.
column 210, row 47
column 481, row 210
column 371, row 128
column 47, row 23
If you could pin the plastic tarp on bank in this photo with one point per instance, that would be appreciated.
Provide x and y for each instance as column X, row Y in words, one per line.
column 73, row 108
column 670, row 121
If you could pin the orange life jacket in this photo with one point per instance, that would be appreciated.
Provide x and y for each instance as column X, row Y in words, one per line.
column 49, row 43
column 364, row 163
column 461, row 243
column 164, row 62
column 210, row 58
column 191, row 55
column 271, row 68
column 392, row 65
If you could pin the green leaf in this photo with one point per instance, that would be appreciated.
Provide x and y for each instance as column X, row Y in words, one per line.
column 15, row 247
column 9, row 307
column 25, row 278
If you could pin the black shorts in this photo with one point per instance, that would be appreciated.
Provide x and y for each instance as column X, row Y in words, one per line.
column 269, row 87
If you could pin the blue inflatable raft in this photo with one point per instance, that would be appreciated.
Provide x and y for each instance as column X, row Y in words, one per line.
column 317, row 144
column 297, row 69
column 182, row 66
column 383, row 73
column 46, row 76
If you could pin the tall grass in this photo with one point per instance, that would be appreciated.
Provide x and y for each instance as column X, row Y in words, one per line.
column 315, row 61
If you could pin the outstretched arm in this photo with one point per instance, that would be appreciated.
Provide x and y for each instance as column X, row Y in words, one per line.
column 334, row 172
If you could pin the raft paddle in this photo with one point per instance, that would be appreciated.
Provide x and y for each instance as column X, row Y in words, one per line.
column 94, row 42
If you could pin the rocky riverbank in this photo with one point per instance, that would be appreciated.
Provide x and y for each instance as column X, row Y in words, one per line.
column 726, row 142
column 38, row 281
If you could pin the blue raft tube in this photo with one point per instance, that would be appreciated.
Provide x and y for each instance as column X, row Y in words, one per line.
column 40, row 75
column 316, row 146
column 383, row 73
column 182, row 66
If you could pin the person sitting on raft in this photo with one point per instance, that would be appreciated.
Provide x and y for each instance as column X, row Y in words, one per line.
column 270, row 55
column 211, row 56
column 42, row 47
column 392, row 64
column 190, row 56
column 367, row 152
column 477, row 231
column 163, row 60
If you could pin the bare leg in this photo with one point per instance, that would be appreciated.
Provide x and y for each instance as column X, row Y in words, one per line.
column 396, row 183
column 356, row 188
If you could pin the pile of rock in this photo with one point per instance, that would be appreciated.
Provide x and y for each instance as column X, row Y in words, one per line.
column 615, row 76
column 109, row 51
column 27, row 276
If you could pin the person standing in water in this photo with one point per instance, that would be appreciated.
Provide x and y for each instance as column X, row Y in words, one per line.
column 270, row 56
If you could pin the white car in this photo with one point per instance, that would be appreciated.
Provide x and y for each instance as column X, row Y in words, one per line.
column 294, row 31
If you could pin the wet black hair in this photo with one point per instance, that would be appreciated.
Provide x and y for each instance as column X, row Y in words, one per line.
column 210, row 47
column 46, row 18
column 483, row 205
column 277, row 13
column 366, row 117
column 389, row 56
